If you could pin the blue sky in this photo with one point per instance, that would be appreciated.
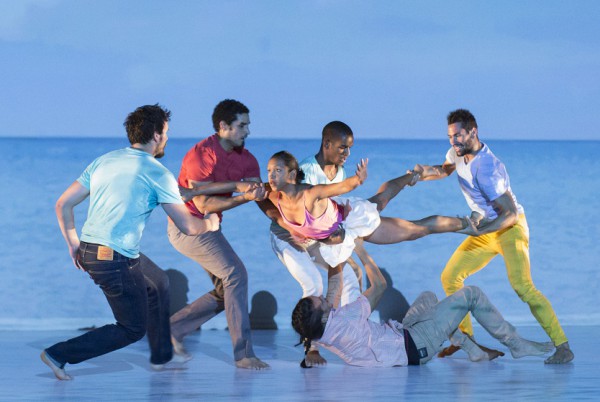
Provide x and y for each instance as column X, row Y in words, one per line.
column 391, row 69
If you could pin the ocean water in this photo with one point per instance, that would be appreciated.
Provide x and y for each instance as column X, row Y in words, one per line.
column 556, row 182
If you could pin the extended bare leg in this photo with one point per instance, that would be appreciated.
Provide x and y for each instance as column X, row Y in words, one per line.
column 396, row 230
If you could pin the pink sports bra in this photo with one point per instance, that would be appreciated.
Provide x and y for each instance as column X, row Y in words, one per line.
column 317, row 228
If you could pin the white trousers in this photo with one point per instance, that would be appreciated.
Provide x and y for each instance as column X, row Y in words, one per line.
column 305, row 268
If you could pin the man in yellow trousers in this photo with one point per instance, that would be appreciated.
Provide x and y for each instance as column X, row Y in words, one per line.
column 501, row 223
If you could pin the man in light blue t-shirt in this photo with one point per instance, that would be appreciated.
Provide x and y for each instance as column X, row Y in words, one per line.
column 124, row 187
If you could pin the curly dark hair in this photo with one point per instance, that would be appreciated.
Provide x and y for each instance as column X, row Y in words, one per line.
column 227, row 111
column 143, row 122
column 307, row 321
column 290, row 162
column 464, row 117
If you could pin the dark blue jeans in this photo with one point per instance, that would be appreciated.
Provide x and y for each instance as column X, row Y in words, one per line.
column 137, row 291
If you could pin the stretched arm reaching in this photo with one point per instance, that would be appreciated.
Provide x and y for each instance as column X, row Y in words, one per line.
column 321, row 191
column 377, row 281
column 434, row 172
column 214, row 203
column 210, row 188
column 74, row 195
column 335, row 281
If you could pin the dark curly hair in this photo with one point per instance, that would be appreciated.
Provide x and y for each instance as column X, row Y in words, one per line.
column 307, row 321
column 143, row 122
column 464, row 117
column 290, row 162
column 227, row 111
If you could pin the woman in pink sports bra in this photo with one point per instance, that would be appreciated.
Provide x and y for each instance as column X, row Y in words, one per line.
column 310, row 211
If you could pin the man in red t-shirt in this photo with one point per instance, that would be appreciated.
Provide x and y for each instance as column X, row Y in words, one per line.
column 220, row 158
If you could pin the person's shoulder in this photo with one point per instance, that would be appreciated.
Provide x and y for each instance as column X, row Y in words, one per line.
column 204, row 149
column 309, row 161
column 209, row 142
column 486, row 157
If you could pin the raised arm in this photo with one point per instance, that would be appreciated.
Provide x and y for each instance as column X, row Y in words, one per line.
column 433, row 172
column 321, row 191
column 377, row 281
column 335, row 283
column 215, row 203
column 74, row 195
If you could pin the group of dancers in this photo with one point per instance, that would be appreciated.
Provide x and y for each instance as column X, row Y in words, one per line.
column 313, row 226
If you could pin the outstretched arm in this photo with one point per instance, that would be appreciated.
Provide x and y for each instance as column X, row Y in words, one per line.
column 210, row 188
column 321, row 191
column 434, row 172
column 391, row 188
column 377, row 281
column 74, row 195
column 215, row 203
column 335, row 279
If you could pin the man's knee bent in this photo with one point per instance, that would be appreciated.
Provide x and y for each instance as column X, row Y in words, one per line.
column 236, row 275
column 134, row 333
column 450, row 281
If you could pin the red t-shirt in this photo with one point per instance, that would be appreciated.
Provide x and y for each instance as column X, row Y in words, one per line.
column 208, row 161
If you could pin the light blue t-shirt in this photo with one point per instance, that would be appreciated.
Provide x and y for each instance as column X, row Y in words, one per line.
column 313, row 174
column 482, row 180
column 125, row 186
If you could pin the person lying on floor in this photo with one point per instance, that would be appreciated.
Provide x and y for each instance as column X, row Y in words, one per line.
column 348, row 333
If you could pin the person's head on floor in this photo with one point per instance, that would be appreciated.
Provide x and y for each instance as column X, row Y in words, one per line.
column 310, row 316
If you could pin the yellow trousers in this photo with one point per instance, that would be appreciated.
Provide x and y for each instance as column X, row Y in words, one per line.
column 513, row 244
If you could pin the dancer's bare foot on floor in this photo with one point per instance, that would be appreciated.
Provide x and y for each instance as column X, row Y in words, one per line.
column 60, row 373
column 314, row 358
column 448, row 351
column 252, row 363
column 179, row 350
column 563, row 355
column 492, row 353
column 524, row 347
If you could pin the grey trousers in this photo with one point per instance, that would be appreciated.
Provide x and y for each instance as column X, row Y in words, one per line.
column 430, row 323
column 216, row 256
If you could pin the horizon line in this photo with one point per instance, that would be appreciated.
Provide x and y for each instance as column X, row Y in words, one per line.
column 27, row 137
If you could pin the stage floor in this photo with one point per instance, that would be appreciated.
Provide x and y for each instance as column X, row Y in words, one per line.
column 211, row 375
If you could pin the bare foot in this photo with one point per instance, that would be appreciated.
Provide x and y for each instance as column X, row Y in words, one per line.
column 252, row 363
column 180, row 351
column 562, row 355
column 60, row 373
column 523, row 347
column 314, row 358
column 448, row 351
column 177, row 358
column 492, row 353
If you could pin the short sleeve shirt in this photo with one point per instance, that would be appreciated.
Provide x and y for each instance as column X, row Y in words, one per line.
column 482, row 180
column 125, row 186
column 313, row 174
column 360, row 342
column 207, row 161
